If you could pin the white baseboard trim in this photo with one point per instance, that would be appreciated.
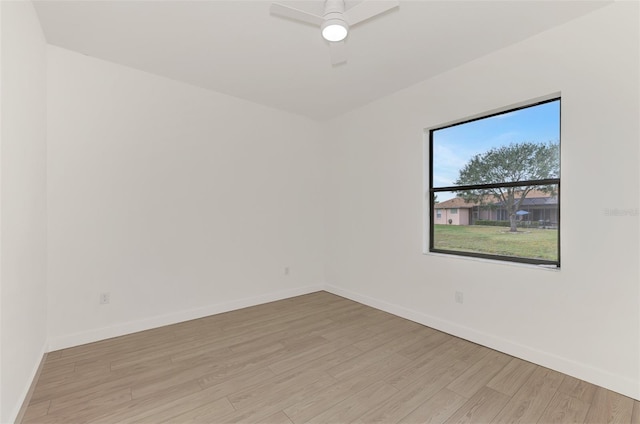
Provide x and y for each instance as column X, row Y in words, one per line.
column 122, row 329
column 617, row 383
column 20, row 409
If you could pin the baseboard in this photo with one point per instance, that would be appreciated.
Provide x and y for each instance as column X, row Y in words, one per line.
column 122, row 329
column 620, row 384
column 28, row 391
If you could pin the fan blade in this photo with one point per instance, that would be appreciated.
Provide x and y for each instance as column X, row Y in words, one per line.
column 338, row 52
column 368, row 9
column 295, row 14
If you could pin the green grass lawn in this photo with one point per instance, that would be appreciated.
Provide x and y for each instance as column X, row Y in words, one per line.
column 526, row 243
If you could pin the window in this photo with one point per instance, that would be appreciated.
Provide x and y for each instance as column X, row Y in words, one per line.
column 439, row 213
column 501, row 174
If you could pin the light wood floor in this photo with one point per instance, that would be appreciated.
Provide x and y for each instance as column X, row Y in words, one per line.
column 317, row 358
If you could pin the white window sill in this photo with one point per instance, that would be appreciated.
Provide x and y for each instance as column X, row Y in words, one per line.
column 552, row 268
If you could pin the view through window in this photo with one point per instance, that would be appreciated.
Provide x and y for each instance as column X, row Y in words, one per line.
column 495, row 186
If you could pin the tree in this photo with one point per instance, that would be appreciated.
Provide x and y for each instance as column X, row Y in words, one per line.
column 515, row 162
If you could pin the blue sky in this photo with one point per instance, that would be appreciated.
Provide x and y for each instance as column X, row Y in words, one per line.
column 453, row 147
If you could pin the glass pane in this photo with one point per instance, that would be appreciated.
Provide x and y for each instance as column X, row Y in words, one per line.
column 514, row 146
column 520, row 222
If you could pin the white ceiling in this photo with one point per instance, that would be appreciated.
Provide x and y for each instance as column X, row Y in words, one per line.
column 236, row 47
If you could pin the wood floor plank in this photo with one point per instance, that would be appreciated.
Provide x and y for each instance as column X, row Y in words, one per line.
column 303, row 411
column 564, row 409
column 278, row 418
column 208, row 355
column 410, row 397
column 312, row 358
column 512, row 376
column 147, row 405
column 609, row 407
column 36, row 411
column 281, row 399
column 356, row 405
column 118, row 346
column 55, row 372
column 429, row 366
column 262, row 325
column 188, row 401
column 465, row 350
column 301, row 328
column 482, row 407
column 349, row 329
column 321, row 357
column 89, row 383
column 274, row 388
column 87, row 400
column 530, row 402
column 578, row 389
column 239, row 382
column 85, row 408
column 435, row 410
column 372, row 357
column 361, row 316
column 389, row 333
column 92, row 366
column 635, row 416
column 412, row 392
column 134, row 359
column 56, row 354
column 479, row 374
column 208, row 372
column 228, row 339
column 305, row 355
column 365, row 364
column 427, row 343
column 172, row 377
column 207, row 413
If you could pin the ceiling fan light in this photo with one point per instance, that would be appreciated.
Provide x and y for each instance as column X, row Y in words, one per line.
column 334, row 30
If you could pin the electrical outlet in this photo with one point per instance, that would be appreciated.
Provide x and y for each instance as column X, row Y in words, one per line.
column 459, row 297
column 286, row 270
column 105, row 298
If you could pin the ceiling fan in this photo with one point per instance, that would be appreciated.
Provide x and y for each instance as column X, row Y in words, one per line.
column 336, row 21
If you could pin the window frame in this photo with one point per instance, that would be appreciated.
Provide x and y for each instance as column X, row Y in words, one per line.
column 433, row 191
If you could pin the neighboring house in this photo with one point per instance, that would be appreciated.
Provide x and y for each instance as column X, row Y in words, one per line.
column 453, row 211
column 539, row 205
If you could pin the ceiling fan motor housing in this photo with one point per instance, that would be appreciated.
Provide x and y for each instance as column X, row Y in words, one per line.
column 333, row 6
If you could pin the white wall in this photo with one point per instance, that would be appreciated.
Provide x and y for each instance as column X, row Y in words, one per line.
column 178, row 201
column 22, row 200
column 583, row 319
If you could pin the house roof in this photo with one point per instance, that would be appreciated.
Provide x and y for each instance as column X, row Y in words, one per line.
column 456, row 202
column 534, row 198
column 538, row 201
